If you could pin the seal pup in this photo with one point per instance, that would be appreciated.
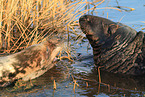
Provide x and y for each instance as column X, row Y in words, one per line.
column 29, row 63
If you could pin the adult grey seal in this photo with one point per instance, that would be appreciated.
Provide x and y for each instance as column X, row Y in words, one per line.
column 116, row 47
column 30, row 62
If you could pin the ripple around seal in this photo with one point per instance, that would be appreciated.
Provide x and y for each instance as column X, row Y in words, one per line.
column 135, row 86
column 62, row 73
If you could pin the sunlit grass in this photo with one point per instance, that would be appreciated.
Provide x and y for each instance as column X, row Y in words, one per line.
column 27, row 22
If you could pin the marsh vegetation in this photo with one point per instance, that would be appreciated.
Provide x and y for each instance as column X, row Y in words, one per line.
column 27, row 22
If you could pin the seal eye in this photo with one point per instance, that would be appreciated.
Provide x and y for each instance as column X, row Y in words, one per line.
column 87, row 19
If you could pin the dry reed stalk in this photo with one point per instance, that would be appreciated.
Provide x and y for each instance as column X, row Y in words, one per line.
column 99, row 74
column 27, row 22
column 74, row 85
column 1, row 15
column 86, row 84
column 54, row 85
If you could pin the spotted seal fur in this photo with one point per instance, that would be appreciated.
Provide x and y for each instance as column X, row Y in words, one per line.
column 30, row 62
column 116, row 47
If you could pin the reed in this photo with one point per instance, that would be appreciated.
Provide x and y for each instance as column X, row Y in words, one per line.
column 27, row 22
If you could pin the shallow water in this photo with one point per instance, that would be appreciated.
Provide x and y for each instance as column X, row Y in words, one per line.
column 82, row 69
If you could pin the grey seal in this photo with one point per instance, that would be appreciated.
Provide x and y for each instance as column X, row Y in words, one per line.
column 29, row 63
column 116, row 47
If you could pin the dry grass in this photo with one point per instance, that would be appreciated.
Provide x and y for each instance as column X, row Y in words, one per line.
column 27, row 22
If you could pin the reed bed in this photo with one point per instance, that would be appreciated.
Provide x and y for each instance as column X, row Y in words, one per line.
column 27, row 22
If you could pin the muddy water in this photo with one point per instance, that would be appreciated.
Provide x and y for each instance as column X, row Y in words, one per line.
column 83, row 72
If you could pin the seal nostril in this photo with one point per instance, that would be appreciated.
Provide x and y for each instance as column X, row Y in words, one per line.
column 84, row 18
column 88, row 19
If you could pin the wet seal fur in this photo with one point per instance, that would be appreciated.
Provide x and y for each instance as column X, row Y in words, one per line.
column 116, row 47
column 30, row 62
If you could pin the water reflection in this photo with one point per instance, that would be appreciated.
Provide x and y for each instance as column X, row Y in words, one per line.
column 65, row 73
column 84, row 72
column 111, row 84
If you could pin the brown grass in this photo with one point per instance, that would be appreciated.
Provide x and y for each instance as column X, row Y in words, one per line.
column 27, row 22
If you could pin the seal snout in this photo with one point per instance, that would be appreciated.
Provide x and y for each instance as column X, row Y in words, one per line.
column 85, row 18
column 85, row 22
column 82, row 18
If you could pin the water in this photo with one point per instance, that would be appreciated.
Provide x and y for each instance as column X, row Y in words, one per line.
column 83, row 71
column 133, row 19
